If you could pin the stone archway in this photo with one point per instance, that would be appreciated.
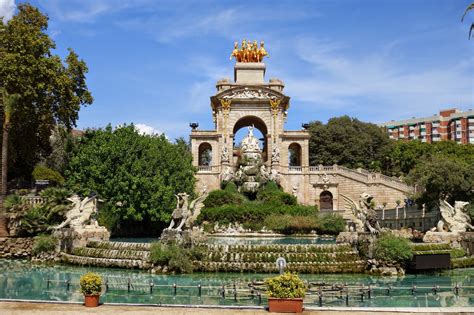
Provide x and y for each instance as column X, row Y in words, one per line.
column 326, row 201
column 259, row 124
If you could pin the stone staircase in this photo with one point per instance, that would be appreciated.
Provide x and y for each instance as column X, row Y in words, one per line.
column 110, row 254
column 305, row 258
column 262, row 258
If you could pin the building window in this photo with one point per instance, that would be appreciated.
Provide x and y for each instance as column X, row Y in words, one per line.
column 294, row 154
column 205, row 154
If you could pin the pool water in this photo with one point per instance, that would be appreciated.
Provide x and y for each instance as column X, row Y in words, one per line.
column 22, row 280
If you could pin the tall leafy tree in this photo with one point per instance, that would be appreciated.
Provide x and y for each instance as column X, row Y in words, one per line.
column 50, row 91
column 349, row 142
column 136, row 175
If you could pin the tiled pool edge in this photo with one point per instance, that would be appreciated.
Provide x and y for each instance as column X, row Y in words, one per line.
column 454, row 310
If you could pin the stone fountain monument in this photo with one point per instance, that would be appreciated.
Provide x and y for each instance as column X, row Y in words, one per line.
column 80, row 225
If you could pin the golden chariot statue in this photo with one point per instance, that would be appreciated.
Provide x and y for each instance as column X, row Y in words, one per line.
column 249, row 52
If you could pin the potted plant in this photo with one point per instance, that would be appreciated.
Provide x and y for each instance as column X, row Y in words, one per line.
column 91, row 286
column 285, row 293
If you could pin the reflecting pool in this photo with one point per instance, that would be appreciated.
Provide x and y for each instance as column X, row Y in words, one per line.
column 22, row 280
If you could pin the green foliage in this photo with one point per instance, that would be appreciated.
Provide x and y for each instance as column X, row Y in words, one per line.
column 42, row 172
column 442, row 177
column 349, row 142
column 250, row 212
column 38, row 219
column 217, row 198
column 393, row 250
column 137, row 175
column 12, row 201
column 51, row 91
column 44, row 244
column 287, row 224
column 91, row 284
column 332, row 224
column 287, row 285
column 323, row 224
column 231, row 187
column 175, row 257
column 271, row 193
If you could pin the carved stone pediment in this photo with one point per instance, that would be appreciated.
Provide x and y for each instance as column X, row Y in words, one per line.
column 250, row 93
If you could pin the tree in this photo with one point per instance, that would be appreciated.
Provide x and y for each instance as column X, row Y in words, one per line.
column 50, row 91
column 8, row 105
column 442, row 177
column 349, row 142
column 137, row 176
column 470, row 7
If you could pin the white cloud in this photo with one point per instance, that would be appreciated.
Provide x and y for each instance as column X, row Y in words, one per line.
column 392, row 88
column 7, row 9
column 147, row 130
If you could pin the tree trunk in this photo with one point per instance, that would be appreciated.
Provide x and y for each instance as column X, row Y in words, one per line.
column 4, row 179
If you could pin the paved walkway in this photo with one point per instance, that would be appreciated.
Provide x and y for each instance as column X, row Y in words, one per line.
column 17, row 308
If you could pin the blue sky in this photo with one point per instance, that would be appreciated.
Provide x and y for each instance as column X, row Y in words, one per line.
column 155, row 63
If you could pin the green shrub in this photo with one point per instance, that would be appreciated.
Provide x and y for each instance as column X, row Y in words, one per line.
column 12, row 200
column 175, row 257
column 217, row 198
column 231, row 187
column 45, row 173
column 332, row 224
column 271, row 193
column 287, row 285
column 288, row 224
column 56, row 195
column 91, row 284
column 250, row 212
column 393, row 250
column 44, row 244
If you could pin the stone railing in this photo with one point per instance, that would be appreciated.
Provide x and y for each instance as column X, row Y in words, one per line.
column 34, row 200
column 203, row 168
column 295, row 169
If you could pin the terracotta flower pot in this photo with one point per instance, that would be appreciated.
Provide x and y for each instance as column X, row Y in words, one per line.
column 278, row 305
column 91, row 300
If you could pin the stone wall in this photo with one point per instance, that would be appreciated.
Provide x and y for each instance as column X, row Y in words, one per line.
column 16, row 247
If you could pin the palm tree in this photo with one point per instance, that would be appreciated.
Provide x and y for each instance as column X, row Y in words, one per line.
column 8, row 102
column 470, row 7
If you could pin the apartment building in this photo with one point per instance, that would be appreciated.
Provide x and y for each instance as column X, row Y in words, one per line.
column 449, row 124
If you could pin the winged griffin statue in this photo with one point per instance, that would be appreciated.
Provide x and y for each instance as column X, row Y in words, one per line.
column 185, row 214
column 82, row 213
column 362, row 214
column 453, row 219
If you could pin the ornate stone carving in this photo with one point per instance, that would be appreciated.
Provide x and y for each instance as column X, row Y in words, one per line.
column 275, row 154
column 362, row 214
column 453, row 219
column 248, row 93
column 225, row 154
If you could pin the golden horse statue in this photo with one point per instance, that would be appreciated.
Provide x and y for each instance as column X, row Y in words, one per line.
column 249, row 52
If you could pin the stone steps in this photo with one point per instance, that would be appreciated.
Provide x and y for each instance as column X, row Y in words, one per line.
column 242, row 257
column 111, row 253
column 119, row 245
column 104, row 262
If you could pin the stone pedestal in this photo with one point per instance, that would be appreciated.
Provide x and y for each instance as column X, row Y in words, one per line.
column 454, row 238
column 249, row 73
column 79, row 236
column 186, row 237
column 366, row 244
